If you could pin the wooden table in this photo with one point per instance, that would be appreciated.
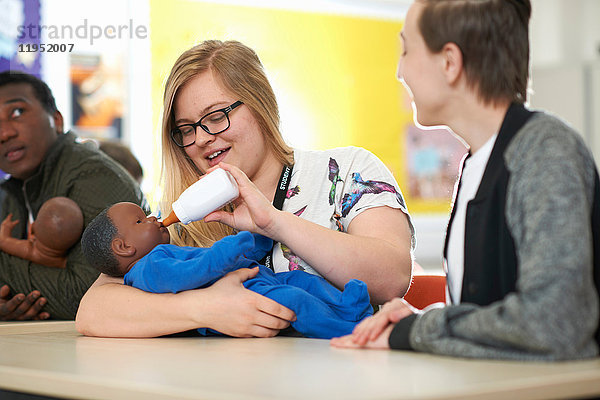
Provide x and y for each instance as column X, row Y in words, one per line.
column 52, row 359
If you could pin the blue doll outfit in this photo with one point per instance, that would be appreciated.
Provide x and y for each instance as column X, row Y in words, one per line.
column 322, row 311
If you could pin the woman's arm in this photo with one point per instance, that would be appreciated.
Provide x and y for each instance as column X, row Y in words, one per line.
column 376, row 248
column 111, row 309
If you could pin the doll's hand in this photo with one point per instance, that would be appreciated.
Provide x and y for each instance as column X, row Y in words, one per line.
column 7, row 226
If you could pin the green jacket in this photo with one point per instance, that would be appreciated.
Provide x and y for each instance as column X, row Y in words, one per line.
column 90, row 178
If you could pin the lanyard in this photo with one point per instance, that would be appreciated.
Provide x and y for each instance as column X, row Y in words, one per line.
column 280, row 193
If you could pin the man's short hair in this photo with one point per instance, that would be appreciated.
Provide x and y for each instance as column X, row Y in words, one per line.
column 41, row 90
column 96, row 244
column 493, row 37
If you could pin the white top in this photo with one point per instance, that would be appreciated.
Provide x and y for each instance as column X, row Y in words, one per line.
column 332, row 187
column 470, row 180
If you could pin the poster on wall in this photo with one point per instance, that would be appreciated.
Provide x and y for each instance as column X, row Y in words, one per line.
column 97, row 96
column 18, row 44
column 433, row 158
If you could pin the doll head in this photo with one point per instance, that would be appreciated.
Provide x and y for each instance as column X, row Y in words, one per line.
column 58, row 225
column 119, row 236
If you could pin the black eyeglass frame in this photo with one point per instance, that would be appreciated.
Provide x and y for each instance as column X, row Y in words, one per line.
column 195, row 126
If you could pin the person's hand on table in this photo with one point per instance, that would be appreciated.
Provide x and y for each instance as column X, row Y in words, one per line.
column 374, row 332
column 20, row 307
column 253, row 212
column 237, row 311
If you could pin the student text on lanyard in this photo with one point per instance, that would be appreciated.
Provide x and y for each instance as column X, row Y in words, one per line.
column 281, row 191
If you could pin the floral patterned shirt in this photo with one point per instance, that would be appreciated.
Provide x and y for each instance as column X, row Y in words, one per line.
column 332, row 187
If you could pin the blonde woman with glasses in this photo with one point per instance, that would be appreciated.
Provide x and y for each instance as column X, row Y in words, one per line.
column 338, row 213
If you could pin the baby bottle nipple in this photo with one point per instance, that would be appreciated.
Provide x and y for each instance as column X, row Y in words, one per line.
column 171, row 219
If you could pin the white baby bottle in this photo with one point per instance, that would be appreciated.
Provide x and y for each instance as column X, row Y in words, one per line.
column 208, row 194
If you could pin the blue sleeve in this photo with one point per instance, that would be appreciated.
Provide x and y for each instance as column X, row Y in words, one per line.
column 262, row 246
column 244, row 244
column 171, row 269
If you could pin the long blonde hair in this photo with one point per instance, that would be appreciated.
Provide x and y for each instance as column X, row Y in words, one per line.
column 239, row 70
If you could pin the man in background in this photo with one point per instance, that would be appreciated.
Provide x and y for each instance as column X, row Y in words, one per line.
column 44, row 162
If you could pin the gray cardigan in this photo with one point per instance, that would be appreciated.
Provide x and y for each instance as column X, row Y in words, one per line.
column 553, row 313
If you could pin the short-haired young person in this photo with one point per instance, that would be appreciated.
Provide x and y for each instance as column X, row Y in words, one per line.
column 522, row 246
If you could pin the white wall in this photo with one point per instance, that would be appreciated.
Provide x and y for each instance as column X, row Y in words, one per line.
column 135, row 56
column 565, row 55
column 565, row 31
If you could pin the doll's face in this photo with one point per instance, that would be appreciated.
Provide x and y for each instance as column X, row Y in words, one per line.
column 143, row 233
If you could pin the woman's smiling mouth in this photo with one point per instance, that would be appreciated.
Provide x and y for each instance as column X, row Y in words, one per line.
column 217, row 156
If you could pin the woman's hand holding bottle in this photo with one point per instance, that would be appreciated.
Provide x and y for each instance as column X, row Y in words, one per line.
column 253, row 211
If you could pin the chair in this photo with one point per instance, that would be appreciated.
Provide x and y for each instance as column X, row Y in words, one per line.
column 425, row 290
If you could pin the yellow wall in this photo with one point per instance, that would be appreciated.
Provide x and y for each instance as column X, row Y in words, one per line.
column 336, row 72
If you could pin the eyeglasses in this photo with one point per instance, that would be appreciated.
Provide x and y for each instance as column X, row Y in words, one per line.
column 212, row 123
